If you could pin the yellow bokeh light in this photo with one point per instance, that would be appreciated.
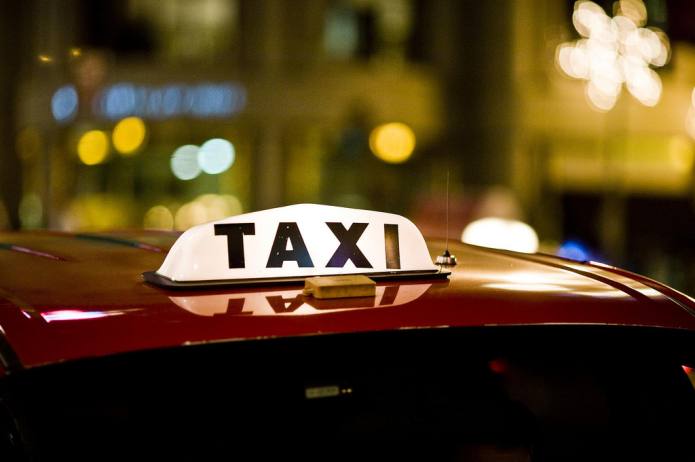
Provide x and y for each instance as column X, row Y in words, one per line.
column 190, row 214
column 159, row 217
column 393, row 142
column 93, row 147
column 95, row 212
column 207, row 207
column 218, row 206
column 129, row 135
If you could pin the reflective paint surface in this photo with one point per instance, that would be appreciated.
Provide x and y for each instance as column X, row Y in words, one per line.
column 272, row 302
column 93, row 301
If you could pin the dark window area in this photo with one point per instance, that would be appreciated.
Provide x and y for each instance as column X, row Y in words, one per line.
column 581, row 213
column 665, row 233
column 546, row 394
column 107, row 25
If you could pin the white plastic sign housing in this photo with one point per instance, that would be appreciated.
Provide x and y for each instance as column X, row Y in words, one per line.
column 294, row 242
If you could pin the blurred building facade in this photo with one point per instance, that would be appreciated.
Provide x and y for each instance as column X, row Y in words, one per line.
column 307, row 81
column 298, row 89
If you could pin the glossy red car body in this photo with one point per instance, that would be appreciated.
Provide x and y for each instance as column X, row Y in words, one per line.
column 69, row 296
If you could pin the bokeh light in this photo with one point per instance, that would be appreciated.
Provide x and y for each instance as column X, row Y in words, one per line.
column 93, row 147
column 205, row 208
column 219, row 206
column 599, row 99
column 690, row 123
column 129, row 135
column 215, row 156
column 159, row 217
column 392, row 142
column 500, row 233
column 97, row 212
column 190, row 214
column 64, row 103
column 635, row 10
column 574, row 250
column 613, row 52
column 201, row 100
column 184, row 162
column 690, row 117
column 645, row 85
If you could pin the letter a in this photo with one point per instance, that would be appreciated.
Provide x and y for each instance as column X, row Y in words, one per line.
column 279, row 254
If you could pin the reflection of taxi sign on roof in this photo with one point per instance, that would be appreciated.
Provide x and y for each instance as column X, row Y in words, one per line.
column 292, row 302
column 294, row 242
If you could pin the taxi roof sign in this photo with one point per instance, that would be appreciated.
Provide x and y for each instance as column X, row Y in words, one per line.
column 289, row 244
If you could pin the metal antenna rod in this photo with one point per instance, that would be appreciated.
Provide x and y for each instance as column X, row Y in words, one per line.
column 446, row 259
column 447, row 208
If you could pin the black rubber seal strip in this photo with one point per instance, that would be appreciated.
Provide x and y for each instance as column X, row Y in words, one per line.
column 162, row 281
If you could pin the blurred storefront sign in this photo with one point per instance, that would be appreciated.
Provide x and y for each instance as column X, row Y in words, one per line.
column 638, row 164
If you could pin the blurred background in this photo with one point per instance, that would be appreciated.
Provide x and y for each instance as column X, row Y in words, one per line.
column 567, row 127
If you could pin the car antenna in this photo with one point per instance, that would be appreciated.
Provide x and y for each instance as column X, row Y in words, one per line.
column 446, row 259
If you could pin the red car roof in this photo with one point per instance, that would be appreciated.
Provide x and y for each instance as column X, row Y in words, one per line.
column 71, row 296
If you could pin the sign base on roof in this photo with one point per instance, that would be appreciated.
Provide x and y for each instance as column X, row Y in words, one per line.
column 289, row 244
column 162, row 281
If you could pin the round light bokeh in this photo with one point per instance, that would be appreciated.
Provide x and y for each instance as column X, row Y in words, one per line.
column 64, row 103
column 93, row 147
column 159, row 217
column 501, row 233
column 615, row 51
column 393, row 142
column 184, row 162
column 215, row 156
column 129, row 135
column 205, row 208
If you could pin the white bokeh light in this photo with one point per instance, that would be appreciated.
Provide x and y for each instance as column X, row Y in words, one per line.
column 184, row 162
column 599, row 99
column 501, row 233
column 690, row 117
column 615, row 51
column 216, row 155
column 645, row 85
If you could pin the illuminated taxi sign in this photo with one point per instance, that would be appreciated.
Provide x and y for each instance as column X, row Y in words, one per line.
column 292, row 243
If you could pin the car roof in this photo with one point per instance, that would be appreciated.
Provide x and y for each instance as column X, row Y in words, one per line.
column 70, row 296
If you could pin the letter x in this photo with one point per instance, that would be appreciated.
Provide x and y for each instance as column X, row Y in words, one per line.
column 348, row 250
